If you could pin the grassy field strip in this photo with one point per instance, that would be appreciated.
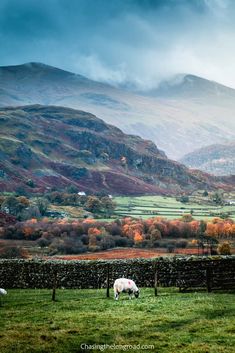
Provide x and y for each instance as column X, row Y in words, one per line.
column 172, row 322
column 174, row 206
column 137, row 211
column 164, row 211
column 142, row 208
column 167, row 209
column 182, row 206
column 170, row 208
column 186, row 205
column 149, row 206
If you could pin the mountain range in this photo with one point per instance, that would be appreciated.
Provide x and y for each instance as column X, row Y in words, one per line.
column 49, row 146
column 215, row 159
column 180, row 115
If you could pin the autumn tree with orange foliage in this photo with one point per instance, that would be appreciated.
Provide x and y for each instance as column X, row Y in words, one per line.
column 133, row 229
column 220, row 228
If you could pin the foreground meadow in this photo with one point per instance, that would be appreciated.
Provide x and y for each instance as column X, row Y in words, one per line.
column 173, row 322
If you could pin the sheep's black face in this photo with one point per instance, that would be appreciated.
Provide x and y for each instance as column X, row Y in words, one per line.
column 137, row 294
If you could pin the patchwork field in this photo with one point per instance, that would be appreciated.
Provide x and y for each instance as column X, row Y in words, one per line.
column 169, row 207
column 172, row 322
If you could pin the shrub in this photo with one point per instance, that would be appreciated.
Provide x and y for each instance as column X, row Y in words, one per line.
column 187, row 218
column 30, row 183
column 107, row 242
column 170, row 248
column 29, row 213
column 42, row 205
column 11, row 252
column 72, row 189
column 122, row 241
column 224, row 248
column 183, row 199
column 67, row 245
column 43, row 242
column 181, row 244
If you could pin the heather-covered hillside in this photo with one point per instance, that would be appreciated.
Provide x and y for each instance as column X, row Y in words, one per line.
column 46, row 146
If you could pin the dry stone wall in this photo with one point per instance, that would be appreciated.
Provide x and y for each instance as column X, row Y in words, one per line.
column 93, row 274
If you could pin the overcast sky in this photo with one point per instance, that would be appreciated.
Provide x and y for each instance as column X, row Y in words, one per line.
column 139, row 41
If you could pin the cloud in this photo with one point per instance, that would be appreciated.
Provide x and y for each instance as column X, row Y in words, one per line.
column 118, row 41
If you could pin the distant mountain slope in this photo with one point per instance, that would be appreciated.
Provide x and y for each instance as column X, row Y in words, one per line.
column 57, row 146
column 181, row 115
column 214, row 159
column 192, row 87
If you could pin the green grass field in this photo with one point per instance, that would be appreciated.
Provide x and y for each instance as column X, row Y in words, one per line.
column 152, row 206
column 172, row 322
column 168, row 207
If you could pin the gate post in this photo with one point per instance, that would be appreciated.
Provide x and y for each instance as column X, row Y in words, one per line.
column 108, row 281
column 54, row 286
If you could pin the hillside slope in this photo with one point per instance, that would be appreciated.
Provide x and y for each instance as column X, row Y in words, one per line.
column 192, row 87
column 180, row 116
column 57, row 146
column 214, row 159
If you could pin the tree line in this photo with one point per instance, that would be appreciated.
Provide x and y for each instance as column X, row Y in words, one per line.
column 72, row 237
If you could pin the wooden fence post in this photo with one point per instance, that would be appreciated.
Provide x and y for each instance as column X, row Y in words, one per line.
column 54, row 286
column 108, row 280
column 155, row 279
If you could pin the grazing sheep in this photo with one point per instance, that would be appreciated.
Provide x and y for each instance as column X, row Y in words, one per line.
column 3, row 291
column 124, row 285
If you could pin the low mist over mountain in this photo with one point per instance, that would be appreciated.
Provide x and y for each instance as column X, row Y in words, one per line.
column 179, row 116
column 192, row 87
column 46, row 146
column 214, row 159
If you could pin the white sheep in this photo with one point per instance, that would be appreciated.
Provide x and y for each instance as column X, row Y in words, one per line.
column 125, row 285
column 3, row 291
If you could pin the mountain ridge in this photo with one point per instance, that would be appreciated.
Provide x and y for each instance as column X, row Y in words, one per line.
column 190, row 85
column 178, row 125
